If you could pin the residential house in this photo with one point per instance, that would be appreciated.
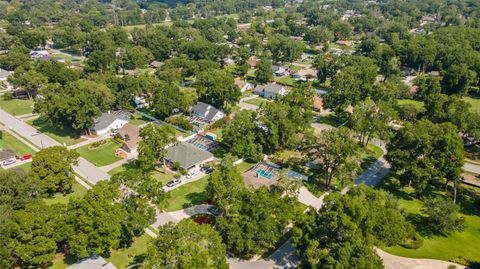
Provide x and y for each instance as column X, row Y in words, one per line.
column 25, row 94
column 110, row 122
column 228, row 61
column 305, row 74
column 344, row 43
column 252, row 62
column 94, row 262
column 270, row 91
column 187, row 155
column 317, row 103
column 243, row 85
column 280, row 70
column 7, row 155
column 4, row 74
column 155, row 64
column 39, row 54
column 207, row 112
column 130, row 134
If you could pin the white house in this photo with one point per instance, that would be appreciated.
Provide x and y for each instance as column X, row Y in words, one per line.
column 243, row 85
column 270, row 91
column 38, row 54
column 110, row 122
column 4, row 74
column 207, row 112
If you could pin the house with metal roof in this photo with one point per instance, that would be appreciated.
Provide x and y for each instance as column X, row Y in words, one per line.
column 187, row 155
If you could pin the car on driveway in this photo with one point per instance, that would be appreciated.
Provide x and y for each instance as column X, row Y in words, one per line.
column 191, row 175
column 26, row 157
column 8, row 162
column 173, row 182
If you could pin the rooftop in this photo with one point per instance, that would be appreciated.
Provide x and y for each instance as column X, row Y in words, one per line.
column 187, row 155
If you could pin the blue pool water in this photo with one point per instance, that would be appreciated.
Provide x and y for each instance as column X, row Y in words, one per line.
column 264, row 174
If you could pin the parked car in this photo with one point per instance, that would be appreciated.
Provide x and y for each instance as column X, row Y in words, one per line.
column 208, row 170
column 191, row 174
column 215, row 211
column 26, row 157
column 8, row 162
column 173, row 182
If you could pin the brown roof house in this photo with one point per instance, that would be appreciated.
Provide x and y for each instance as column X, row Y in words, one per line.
column 318, row 103
column 252, row 62
column 243, row 85
column 130, row 134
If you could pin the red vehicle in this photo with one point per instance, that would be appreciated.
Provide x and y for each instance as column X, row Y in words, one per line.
column 26, row 157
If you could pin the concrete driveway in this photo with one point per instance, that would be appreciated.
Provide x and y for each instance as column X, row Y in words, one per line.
column 184, row 180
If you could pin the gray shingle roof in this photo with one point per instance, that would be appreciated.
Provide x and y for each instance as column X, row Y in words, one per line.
column 205, row 110
column 187, row 155
column 273, row 88
column 106, row 119
column 94, row 262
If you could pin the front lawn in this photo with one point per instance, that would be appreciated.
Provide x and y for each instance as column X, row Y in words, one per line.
column 16, row 107
column 256, row 101
column 77, row 191
column 102, row 155
column 8, row 141
column 474, row 101
column 464, row 243
column 190, row 194
column 286, row 81
column 369, row 155
column 162, row 177
column 122, row 258
column 417, row 104
column 333, row 120
column 66, row 136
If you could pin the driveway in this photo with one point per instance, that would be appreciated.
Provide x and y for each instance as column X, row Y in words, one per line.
column 162, row 218
column 184, row 180
column 84, row 168
column 470, row 167
column 307, row 198
column 396, row 262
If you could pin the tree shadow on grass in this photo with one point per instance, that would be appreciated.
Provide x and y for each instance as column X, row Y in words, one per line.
column 195, row 198
column 45, row 127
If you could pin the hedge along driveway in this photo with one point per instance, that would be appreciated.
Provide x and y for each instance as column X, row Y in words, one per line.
column 102, row 155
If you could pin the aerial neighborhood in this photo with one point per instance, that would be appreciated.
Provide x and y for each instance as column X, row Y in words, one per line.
column 240, row 134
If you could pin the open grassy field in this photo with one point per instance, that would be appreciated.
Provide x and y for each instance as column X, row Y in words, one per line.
column 102, row 155
column 77, row 191
column 66, row 136
column 134, row 254
column 256, row 101
column 11, row 143
column 464, row 243
column 16, row 107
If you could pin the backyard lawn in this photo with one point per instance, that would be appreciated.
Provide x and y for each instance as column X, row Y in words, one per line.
column 417, row 104
column 77, row 191
column 370, row 155
column 286, row 81
column 138, row 119
column 474, row 101
column 66, row 136
column 25, row 167
column 162, row 177
column 102, row 155
column 187, row 195
column 464, row 243
column 121, row 258
column 256, row 101
column 16, row 107
column 10, row 142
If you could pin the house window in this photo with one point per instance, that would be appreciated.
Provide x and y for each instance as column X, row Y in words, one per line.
column 127, row 137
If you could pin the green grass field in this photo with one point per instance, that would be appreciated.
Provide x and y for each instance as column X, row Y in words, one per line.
column 66, row 136
column 25, row 167
column 474, row 101
column 188, row 195
column 256, row 101
column 162, row 177
column 121, row 258
column 138, row 119
column 369, row 155
column 103, row 155
column 16, row 107
column 286, row 81
column 464, row 243
column 77, row 191
column 417, row 104
column 11, row 143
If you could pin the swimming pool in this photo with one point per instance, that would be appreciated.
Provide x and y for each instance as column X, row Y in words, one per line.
column 264, row 174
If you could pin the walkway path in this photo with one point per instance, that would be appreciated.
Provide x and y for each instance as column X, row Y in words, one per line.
column 176, row 216
column 84, row 168
column 396, row 262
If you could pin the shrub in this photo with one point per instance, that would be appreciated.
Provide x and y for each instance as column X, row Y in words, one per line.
column 97, row 144
column 220, row 123
column 181, row 122
column 443, row 215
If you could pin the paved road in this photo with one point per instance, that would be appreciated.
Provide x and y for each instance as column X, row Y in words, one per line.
column 470, row 167
column 84, row 168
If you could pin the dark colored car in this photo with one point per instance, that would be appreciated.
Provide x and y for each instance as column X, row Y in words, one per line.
column 215, row 211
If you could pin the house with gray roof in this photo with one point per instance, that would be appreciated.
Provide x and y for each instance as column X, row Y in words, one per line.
column 110, row 122
column 94, row 262
column 207, row 112
column 270, row 91
column 187, row 155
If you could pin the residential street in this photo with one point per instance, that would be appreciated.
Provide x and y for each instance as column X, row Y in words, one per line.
column 85, row 169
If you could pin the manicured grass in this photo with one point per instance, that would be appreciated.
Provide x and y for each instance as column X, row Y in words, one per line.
column 244, row 166
column 25, row 167
column 256, row 101
column 332, row 120
column 102, row 155
column 315, row 187
column 134, row 254
column 286, row 81
column 8, row 141
column 66, row 136
column 464, row 243
column 417, row 104
column 474, row 101
column 16, row 107
column 138, row 119
column 61, row 261
column 188, row 195
column 117, row 170
column 162, row 177
column 369, row 155
column 77, row 191
column 218, row 132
